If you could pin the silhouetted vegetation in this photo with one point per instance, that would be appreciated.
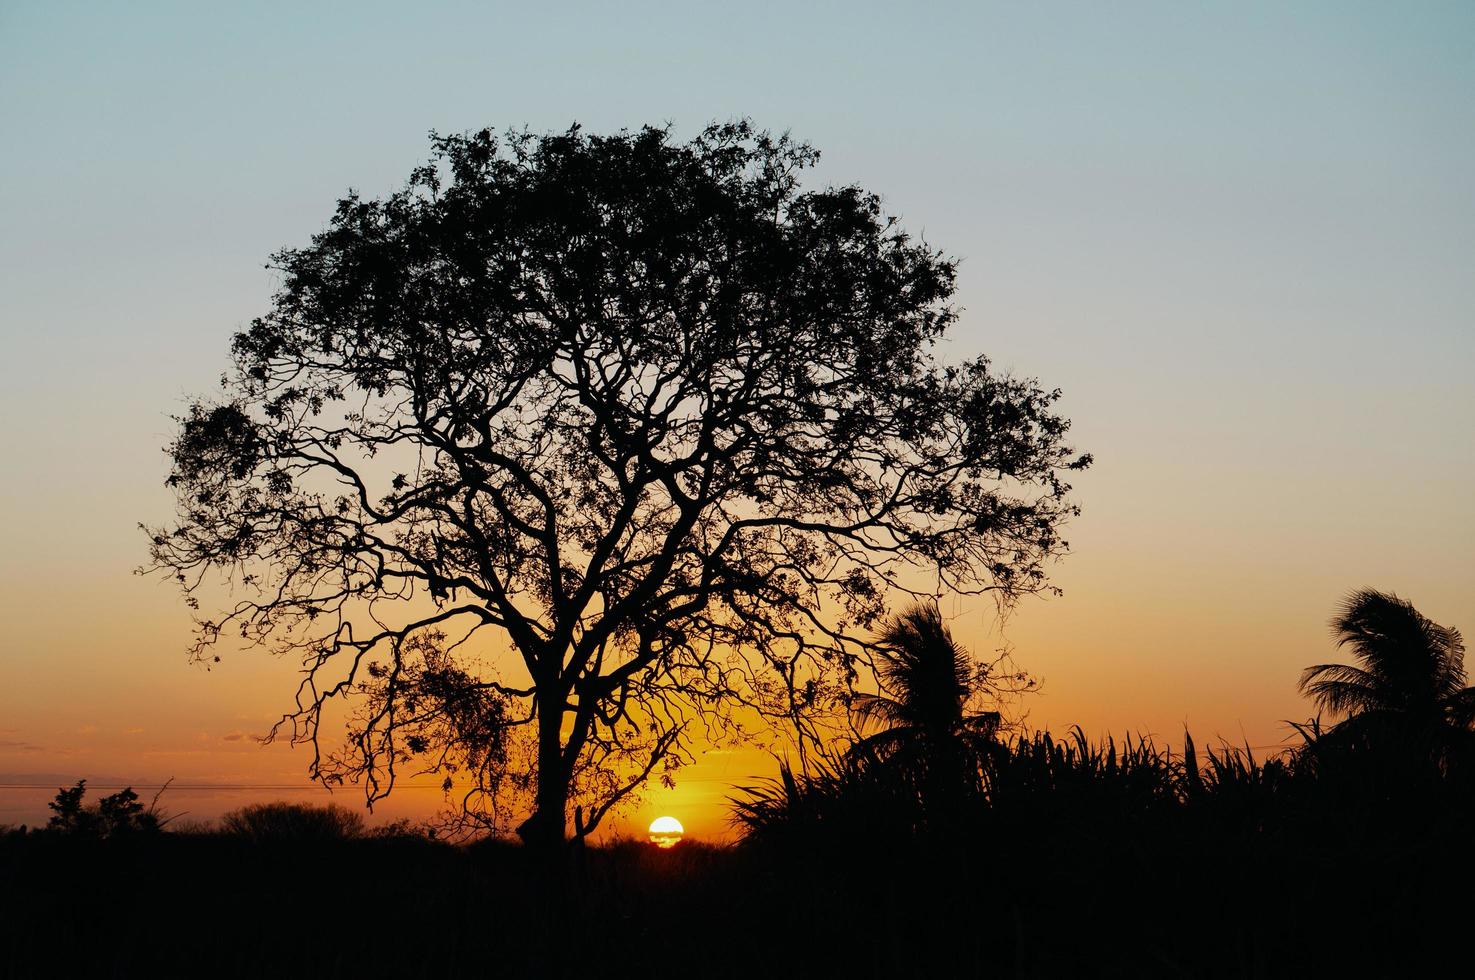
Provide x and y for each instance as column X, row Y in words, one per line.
column 1407, row 729
column 263, row 822
column 1049, row 857
column 118, row 814
column 1405, row 701
column 928, row 738
column 1385, row 796
column 664, row 424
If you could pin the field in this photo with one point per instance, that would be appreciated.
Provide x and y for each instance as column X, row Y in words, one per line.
column 1127, row 895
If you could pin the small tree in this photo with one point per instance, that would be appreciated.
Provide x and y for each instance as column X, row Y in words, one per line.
column 1407, row 691
column 925, row 720
column 115, row 815
column 667, row 426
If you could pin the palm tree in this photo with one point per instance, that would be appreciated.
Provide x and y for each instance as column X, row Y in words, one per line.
column 1409, row 684
column 927, row 681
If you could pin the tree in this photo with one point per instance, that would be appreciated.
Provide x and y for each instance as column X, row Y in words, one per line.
column 668, row 426
column 112, row 816
column 928, row 686
column 1409, row 689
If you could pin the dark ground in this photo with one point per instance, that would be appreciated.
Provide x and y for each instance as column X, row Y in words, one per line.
column 1151, row 904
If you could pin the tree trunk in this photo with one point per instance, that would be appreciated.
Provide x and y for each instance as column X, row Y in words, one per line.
column 546, row 827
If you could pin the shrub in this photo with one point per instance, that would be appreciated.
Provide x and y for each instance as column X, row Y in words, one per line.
column 112, row 816
column 281, row 821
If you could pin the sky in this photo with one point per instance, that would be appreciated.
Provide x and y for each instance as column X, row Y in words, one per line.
column 1238, row 236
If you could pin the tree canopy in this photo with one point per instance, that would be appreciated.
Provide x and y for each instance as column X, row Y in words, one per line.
column 1408, row 687
column 668, row 427
column 927, row 726
column 927, row 680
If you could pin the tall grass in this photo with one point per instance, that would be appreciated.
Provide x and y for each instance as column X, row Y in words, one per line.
column 1039, row 779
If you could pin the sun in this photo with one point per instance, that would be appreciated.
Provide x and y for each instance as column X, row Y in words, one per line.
column 666, row 831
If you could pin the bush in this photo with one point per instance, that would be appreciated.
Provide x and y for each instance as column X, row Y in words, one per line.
column 297, row 822
column 112, row 816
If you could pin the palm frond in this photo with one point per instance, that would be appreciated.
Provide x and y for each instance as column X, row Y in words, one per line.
column 1409, row 667
column 1460, row 705
column 1342, row 697
column 878, row 708
column 1342, row 688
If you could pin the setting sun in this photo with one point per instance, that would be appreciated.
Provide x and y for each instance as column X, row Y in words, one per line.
column 666, row 831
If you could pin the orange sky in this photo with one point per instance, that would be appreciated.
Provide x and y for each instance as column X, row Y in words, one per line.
column 1147, row 640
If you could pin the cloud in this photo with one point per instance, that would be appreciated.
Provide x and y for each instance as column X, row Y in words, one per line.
column 234, row 737
column 16, row 745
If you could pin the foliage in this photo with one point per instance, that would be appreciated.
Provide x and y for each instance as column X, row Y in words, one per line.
column 836, row 801
column 1069, row 857
column 1026, row 779
column 935, row 716
column 928, row 682
column 119, row 814
column 282, row 822
column 1407, row 690
column 664, row 424
column 1405, row 709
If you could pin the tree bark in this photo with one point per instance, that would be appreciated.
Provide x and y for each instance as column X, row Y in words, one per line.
column 547, row 826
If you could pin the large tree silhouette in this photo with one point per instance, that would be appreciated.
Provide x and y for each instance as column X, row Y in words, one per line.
column 1408, row 688
column 664, row 425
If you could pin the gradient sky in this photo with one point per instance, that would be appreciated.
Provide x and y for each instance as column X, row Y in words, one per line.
column 1241, row 238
